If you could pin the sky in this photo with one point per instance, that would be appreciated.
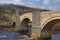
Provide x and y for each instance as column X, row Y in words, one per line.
column 43, row 4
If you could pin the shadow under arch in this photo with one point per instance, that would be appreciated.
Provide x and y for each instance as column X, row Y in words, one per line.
column 47, row 31
column 13, row 24
column 26, row 27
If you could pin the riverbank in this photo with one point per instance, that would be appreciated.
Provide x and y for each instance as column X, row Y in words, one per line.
column 10, row 29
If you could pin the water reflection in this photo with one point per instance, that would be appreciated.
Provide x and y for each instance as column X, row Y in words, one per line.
column 2, row 36
column 5, row 35
column 53, row 37
column 45, row 39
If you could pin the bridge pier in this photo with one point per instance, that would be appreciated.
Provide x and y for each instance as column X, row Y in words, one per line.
column 17, row 27
column 36, row 25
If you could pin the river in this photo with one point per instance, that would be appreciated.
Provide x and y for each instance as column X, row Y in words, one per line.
column 5, row 35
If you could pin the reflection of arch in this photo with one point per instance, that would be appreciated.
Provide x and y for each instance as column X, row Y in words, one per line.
column 26, row 27
column 47, row 29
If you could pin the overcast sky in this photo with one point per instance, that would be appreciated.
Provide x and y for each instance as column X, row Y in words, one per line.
column 44, row 4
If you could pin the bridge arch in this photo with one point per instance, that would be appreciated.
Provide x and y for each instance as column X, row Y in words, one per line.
column 26, row 26
column 50, row 27
column 48, row 20
column 13, row 23
column 27, row 15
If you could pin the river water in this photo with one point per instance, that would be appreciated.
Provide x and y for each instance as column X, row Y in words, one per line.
column 53, row 37
column 5, row 35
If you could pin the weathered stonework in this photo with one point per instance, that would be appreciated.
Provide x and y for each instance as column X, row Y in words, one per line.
column 36, row 25
column 39, row 20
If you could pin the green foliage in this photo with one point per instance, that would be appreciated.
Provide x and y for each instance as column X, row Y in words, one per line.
column 13, row 16
column 6, row 16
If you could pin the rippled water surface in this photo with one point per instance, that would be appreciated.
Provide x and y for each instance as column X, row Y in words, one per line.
column 53, row 37
column 5, row 35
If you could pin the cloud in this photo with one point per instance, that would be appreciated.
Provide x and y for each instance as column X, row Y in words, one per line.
column 16, row 0
column 8, row 2
column 36, row 0
column 46, row 2
column 51, row 4
column 56, row 1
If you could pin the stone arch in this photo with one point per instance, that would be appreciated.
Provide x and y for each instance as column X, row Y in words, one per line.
column 48, row 20
column 13, row 23
column 46, row 31
column 26, row 27
column 25, row 18
column 27, row 15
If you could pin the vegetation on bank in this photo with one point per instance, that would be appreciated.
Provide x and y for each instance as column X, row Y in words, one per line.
column 7, row 17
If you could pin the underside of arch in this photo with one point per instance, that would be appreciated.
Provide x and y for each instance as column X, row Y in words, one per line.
column 26, row 27
column 47, row 30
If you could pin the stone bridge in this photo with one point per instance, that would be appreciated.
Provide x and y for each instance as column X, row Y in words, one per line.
column 39, row 24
